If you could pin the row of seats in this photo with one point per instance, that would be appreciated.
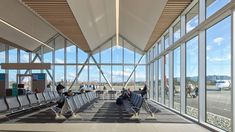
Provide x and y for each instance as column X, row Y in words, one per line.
column 134, row 104
column 75, row 103
column 14, row 104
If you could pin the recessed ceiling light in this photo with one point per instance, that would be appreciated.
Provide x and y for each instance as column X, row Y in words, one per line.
column 117, row 22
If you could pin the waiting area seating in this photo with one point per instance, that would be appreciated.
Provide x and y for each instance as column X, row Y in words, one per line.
column 15, row 104
column 74, row 103
column 134, row 104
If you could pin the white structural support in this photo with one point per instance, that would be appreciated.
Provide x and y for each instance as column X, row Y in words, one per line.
column 102, row 73
column 133, row 71
column 156, row 81
column 232, row 67
column 202, row 64
column 162, row 62
column 80, row 71
column 170, row 93
column 182, row 69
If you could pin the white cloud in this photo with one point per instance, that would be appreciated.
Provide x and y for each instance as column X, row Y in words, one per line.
column 71, row 76
column 57, row 60
column 25, row 58
column 2, row 57
column 190, row 27
column 218, row 40
column 219, row 59
column 70, row 49
column 208, row 48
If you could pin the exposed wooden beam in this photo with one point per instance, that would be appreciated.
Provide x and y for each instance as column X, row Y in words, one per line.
column 59, row 15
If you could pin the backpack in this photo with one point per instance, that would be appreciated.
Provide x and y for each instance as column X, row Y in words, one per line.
column 119, row 101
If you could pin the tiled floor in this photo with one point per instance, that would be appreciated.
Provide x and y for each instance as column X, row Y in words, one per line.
column 104, row 116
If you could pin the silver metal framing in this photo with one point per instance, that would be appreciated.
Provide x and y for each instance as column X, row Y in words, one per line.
column 170, row 93
column 162, row 60
column 182, row 68
column 232, row 67
column 202, row 64
column 65, row 67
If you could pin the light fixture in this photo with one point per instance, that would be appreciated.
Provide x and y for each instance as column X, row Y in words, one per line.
column 117, row 22
column 4, row 22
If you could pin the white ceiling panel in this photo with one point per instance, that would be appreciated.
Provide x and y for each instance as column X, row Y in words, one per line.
column 96, row 19
column 18, row 38
column 16, row 14
column 138, row 19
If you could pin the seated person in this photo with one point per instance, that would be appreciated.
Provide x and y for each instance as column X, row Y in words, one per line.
column 69, row 93
column 82, row 90
column 144, row 91
column 61, row 99
column 126, row 94
column 129, row 93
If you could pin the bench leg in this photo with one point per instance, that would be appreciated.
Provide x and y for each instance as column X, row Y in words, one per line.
column 135, row 116
column 76, row 116
column 59, row 116
column 151, row 116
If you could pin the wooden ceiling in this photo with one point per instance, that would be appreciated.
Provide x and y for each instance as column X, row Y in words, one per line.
column 59, row 15
column 171, row 11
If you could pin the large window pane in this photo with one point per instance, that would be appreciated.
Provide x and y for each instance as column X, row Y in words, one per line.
column 127, row 73
column 176, row 32
column 117, row 77
column 59, row 74
column 70, row 75
column 154, row 81
column 47, row 53
column 176, row 79
column 159, row 48
column 140, row 76
column 192, row 77
column 94, row 75
column 166, row 41
column 214, row 5
column 59, row 49
column 24, row 56
column 166, row 80
column 82, row 56
column 117, row 54
column 97, row 57
column 12, row 55
column 159, row 81
column 218, row 74
column 48, row 79
column 70, row 53
column 128, row 53
column 2, row 56
column 107, row 73
column 12, row 77
column 192, row 18
column 83, row 78
column 106, row 53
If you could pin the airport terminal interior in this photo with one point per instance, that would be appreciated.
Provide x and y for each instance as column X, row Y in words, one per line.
column 117, row 65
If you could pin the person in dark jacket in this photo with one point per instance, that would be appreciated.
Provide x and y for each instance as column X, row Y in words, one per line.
column 61, row 100
column 144, row 90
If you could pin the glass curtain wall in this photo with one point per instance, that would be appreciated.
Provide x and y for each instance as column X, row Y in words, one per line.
column 218, row 73
column 187, row 55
